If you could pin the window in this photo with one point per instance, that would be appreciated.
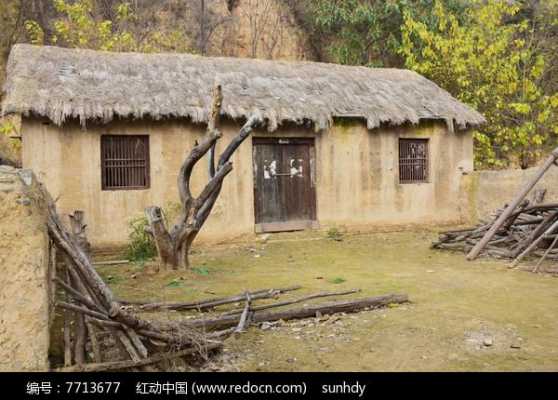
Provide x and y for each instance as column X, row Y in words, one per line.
column 413, row 160
column 124, row 162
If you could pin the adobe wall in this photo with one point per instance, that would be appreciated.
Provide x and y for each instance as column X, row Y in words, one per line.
column 486, row 191
column 24, row 274
column 356, row 175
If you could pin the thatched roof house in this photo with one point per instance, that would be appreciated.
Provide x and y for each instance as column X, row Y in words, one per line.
column 113, row 94
column 60, row 83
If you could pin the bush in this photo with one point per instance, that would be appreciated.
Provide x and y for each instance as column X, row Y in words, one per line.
column 141, row 246
column 335, row 234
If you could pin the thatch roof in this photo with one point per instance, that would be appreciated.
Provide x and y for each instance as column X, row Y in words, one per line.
column 88, row 85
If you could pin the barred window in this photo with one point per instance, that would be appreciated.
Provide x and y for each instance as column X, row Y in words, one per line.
column 124, row 162
column 413, row 160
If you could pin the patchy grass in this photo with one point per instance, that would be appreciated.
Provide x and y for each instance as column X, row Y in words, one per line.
column 465, row 315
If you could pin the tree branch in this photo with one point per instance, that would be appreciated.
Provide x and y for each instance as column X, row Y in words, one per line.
column 242, row 135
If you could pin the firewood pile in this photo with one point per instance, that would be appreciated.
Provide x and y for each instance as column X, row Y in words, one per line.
column 525, row 227
column 102, row 333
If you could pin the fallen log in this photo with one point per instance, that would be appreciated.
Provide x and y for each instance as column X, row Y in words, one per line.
column 298, row 313
column 295, row 301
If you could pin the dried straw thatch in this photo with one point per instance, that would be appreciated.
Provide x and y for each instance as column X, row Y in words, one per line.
column 89, row 85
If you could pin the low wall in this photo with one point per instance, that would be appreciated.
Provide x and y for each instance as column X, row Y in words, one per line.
column 25, row 269
column 486, row 191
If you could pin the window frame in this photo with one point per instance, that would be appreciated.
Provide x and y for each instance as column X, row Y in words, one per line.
column 146, row 159
column 425, row 161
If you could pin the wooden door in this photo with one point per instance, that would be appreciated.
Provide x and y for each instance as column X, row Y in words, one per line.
column 284, row 189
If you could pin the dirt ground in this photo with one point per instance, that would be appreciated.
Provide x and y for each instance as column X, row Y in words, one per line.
column 464, row 316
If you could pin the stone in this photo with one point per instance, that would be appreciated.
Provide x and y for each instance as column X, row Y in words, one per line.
column 488, row 341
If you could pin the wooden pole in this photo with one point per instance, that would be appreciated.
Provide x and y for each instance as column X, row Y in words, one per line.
column 534, row 243
column 117, row 365
column 481, row 244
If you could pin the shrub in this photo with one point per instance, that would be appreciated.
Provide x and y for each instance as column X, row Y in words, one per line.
column 141, row 246
column 335, row 234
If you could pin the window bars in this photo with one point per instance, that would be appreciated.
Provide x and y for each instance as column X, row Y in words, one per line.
column 124, row 162
column 413, row 160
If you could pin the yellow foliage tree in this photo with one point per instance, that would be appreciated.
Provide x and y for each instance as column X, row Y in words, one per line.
column 491, row 62
column 80, row 27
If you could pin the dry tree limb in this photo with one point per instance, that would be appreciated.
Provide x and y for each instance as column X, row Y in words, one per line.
column 82, row 310
column 534, row 243
column 80, row 339
column 122, row 365
column 77, row 227
column 78, row 296
column 95, row 345
column 295, row 301
column 245, row 316
column 547, row 251
column 202, row 305
column 510, row 209
column 67, row 340
column 304, row 312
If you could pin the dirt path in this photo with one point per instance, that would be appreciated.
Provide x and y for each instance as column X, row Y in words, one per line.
column 464, row 316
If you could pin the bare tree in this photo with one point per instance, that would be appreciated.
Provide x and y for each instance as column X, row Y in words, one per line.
column 173, row 245
column 208, row 19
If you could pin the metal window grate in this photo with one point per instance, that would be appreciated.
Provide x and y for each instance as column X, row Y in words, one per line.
column 413, row 160
column 125, row 162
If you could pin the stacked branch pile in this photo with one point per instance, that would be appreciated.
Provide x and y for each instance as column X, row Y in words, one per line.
column 522, row 228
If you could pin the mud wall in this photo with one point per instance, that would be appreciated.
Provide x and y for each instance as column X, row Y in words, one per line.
column 24, row 274
column 356, row 175
column 486, row 191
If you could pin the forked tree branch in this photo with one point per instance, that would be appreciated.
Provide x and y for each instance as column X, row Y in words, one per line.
column 173, row 246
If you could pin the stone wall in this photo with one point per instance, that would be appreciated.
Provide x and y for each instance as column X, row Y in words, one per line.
column 24, row 273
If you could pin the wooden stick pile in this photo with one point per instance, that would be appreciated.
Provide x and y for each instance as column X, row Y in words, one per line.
column 530, row 230
column 97, row 327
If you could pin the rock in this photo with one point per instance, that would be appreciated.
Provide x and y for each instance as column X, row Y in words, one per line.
column 488, row 341
column 516, row 344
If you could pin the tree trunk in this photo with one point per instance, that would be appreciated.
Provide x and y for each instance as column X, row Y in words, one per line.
column 174, row 245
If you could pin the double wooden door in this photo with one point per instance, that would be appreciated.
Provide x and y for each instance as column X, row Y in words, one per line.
column 284, row 184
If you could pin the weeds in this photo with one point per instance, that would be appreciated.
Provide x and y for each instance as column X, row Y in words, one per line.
column 335, row 234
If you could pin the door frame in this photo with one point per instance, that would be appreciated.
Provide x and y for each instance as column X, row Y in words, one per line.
column 292, row 225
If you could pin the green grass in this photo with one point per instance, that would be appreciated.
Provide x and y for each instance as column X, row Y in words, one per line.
column 454, row 303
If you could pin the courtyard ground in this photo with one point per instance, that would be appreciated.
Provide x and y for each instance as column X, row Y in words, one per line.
column 464, row 316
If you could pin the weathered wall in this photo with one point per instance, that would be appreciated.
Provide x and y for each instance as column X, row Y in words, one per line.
column 24, row 279
column 356, row 172
column 487, row 191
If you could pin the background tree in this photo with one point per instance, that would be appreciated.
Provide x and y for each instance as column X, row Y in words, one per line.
column 492, row 62
column 367, row 32
column 80, row 24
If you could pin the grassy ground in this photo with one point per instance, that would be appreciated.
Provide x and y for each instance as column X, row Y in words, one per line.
column 464, row 316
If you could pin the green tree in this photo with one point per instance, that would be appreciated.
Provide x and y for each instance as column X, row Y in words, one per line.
column 489, row 59
column 368, row 32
